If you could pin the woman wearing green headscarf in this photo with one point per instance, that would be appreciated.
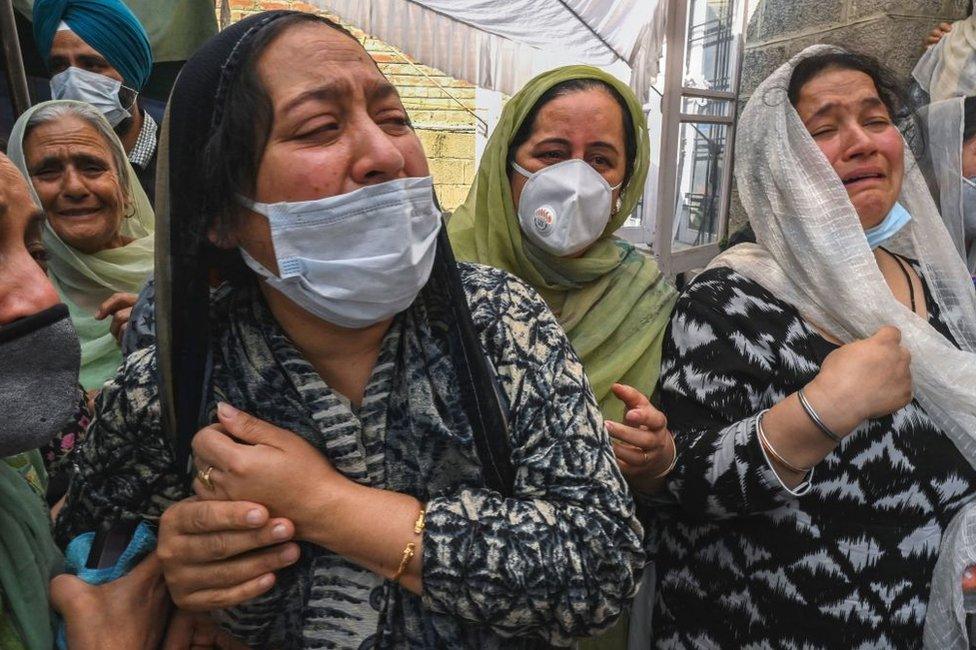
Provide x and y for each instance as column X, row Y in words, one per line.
column 610, row 298
column 99, row 231
column 564, row 168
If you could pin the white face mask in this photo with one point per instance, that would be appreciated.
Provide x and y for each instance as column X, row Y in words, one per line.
column 565, row 207
column 92, row 88
column 354, row 259
column 969, row 207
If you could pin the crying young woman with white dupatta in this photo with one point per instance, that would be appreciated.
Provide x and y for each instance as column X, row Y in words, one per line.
column 820, row 384
column 390, row 449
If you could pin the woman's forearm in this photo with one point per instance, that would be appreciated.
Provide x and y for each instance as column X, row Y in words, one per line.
column 796, row 438
column 371, row 527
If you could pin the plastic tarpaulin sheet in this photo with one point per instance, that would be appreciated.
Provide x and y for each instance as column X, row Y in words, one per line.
column 501, row 44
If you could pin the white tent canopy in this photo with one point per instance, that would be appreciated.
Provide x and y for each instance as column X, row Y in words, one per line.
column 501, row 44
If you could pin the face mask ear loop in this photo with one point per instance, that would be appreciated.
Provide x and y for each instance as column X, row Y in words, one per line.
column 253, row 206
column 135, row 98
column 521, row 170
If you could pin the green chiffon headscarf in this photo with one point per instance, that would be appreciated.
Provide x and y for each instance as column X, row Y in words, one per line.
column 86, row 280
column 612, row 301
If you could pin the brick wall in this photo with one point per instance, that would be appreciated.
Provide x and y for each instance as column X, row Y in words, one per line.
column 438, row 105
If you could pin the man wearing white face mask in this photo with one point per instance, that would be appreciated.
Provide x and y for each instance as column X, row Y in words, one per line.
column 99, row 53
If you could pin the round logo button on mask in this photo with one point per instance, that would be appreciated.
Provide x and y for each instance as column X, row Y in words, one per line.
column 543, row 218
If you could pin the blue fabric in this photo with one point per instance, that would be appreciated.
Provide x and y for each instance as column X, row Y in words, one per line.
column 106, row 25
column 897, row 219
column 76, row 555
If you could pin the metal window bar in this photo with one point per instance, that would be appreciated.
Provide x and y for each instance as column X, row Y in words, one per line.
column 714, row 34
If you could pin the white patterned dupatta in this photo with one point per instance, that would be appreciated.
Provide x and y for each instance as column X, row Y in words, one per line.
column 812, row 253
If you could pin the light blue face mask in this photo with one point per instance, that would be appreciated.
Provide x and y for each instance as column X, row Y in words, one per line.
column 892, row 224
column 92, row 88
column 357, row 258
column 969, row 207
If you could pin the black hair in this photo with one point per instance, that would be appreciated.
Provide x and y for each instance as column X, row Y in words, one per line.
column 568, row 87
column 891, row 90
column 233, row 152
column 969, row 118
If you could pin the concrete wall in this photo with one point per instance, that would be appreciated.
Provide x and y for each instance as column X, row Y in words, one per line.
column 891, row 30
column 440, row 107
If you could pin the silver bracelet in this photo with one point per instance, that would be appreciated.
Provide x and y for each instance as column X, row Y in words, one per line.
column 674, row 461
column 766, row 445
column 812, row 414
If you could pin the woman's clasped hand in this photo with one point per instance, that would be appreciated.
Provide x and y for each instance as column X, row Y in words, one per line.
column 865, row 379
column 216, row 554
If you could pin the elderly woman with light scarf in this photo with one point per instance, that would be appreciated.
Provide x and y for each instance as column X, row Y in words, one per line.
column 99, row 231
column 813, row 490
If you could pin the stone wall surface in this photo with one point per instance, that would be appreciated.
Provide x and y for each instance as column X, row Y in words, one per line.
column 440, row 106
column 893, row 31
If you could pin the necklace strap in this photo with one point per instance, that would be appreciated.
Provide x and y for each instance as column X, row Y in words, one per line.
column 908, row 278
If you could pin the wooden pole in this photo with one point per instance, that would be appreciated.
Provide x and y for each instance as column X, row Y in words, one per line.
column 16, row 76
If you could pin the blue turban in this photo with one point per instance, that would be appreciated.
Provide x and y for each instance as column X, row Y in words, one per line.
column 108, row 26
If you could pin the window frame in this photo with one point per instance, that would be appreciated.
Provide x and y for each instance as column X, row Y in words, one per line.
column 657, row 215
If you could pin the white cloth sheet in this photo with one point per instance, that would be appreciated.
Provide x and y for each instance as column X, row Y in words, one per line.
column 945, row 619
column 501, row 44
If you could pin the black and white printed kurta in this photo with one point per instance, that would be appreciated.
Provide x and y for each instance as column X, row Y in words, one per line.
column 844, row 560
column 555, row 562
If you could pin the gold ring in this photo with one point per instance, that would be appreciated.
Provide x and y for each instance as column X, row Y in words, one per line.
column 205, row 478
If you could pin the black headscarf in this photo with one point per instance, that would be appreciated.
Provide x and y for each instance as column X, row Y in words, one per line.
column 184, row 261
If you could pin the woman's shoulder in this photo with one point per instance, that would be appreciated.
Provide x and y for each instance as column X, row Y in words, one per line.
column 481, row 277
column 496, row 289
column 731, row 294
column 131, row 398
column 509, row 314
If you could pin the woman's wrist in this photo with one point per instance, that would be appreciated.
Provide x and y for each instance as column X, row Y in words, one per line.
column 650, row 484
column 321, row 521
column 797, row 442
column 368, row 526
column 838, row 412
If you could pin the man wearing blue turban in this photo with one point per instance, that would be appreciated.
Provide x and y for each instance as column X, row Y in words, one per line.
column 98, row 52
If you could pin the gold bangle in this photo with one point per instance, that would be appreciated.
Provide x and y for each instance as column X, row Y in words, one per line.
column 765, row 444
column 408, row 554
column 418, row 526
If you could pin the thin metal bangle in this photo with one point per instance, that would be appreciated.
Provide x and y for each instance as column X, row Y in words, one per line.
column 674, row 461
column 812, row 414
column 765, row 444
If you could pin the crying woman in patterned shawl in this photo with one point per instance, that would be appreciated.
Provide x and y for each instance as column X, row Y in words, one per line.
column 390, row 449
